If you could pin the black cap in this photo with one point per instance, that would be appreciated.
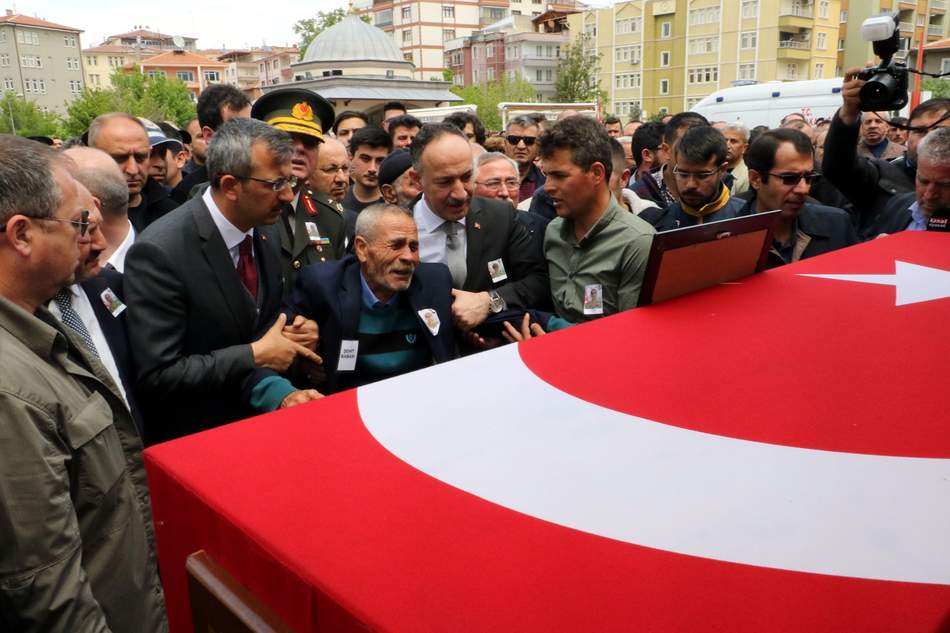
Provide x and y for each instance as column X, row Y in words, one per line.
column 172, row 131
column 295, row 110
column 394, row 166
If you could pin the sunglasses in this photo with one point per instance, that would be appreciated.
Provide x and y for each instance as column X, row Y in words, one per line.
column 514, row 139
column 790, row 180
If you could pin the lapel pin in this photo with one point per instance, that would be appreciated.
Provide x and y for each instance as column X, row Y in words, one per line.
column 478, row 226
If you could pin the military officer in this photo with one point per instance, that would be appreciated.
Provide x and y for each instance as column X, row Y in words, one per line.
column 312, row 228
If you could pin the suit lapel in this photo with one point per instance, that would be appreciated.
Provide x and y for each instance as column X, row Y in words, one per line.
column 474, row 243
column 351, row 293
column 268, row 264
column 222, row 266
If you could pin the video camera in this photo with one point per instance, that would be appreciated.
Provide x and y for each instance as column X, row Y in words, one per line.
column 886, row 87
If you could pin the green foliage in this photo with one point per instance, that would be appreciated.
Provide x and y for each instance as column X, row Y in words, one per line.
column 155, row 98
column 448, row 75
column 577, row 75
column 28, row 119
column 940, row 88
column 487, row 97
column 309, row 28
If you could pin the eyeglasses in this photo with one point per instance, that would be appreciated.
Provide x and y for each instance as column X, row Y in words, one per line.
column 514, row 139
column 277, row 184
column 698, row 175
column 82, row 223
column 497, row 183
column 790, row 180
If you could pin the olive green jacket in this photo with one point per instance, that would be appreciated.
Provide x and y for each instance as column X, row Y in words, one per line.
column 76, row 542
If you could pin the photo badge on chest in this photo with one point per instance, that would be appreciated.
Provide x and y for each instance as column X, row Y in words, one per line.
column 593, row 299
column 496, row 268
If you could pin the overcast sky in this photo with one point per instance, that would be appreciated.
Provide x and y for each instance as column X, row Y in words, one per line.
column 234, row 23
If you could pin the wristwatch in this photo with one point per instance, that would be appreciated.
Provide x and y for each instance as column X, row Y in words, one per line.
column 495, row 303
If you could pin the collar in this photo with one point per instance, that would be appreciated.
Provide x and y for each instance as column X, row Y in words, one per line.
column 426, row 219
column 533, row 173
column 370, row 300
column 613, row 207
column 117, row 259
column 36, row 331
column 232, row 235
column 710, row 207
column 917, row 215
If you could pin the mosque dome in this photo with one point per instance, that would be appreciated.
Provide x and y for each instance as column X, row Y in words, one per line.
column 352, row 39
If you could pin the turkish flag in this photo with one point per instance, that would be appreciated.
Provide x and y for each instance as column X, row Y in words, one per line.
column 770, row 455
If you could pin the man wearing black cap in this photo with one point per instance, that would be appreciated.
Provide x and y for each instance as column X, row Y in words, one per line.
column 167, row 157
column 395, row 181
column 312, row 228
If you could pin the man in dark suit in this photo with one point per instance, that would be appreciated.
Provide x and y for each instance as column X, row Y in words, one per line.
column 781, row 168
column 470, row 234
column 204, row 288
column 217, row 104
column 311, row 231
column 381, row 313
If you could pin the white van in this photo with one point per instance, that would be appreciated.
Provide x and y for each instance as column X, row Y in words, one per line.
column 767, row 103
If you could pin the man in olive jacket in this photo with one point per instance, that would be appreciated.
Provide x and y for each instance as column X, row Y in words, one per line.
column 76, row 541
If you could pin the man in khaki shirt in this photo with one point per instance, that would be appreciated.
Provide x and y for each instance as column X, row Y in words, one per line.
column 77, row 550
column 596, row 250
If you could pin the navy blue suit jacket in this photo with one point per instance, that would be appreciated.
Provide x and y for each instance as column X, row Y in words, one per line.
column 330, row 293
column 114, row 329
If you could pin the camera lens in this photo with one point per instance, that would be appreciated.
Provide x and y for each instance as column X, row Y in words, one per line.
column 878, row 92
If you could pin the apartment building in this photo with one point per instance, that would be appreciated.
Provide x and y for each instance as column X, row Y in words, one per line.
column 99, row 62
column 665, row 55
column 421, row 28
column 40, row 61
column 196, row 71
column 254, row 68
column 921, row 22
column 142, row 37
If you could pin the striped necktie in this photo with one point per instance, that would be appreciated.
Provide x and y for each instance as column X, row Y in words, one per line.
column 64, row 300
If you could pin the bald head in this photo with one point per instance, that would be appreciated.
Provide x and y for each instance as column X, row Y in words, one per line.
column 332, row 175
column 101, row 175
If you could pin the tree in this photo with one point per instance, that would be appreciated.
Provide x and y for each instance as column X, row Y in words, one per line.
column 938, row 87
column 577, row 75
column 487, row 97
column 155, row 98
column 309, row 28
column 27, row 118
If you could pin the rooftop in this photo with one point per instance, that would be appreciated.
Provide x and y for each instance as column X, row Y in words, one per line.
column 25, row 20
column 352, row 39
column 181, row 58
column 144, row 34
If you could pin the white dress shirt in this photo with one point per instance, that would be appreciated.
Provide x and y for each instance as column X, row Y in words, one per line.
column 117, row 259
column 83, row 308
column 432, row 237
column 232, row 235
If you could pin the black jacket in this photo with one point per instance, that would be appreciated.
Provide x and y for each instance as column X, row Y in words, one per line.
column 296, row 248
column 868, row 183
column 182, row 191
column 895, row 217
column 155, row 204
column 193, row 321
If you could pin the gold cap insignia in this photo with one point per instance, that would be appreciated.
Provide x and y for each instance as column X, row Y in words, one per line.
column 303, row 111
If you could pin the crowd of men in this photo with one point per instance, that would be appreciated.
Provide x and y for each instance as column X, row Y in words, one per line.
column 160, row 281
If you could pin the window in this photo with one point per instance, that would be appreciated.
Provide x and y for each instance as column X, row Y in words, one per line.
column 8, row 83
column 537, row 50
column 538, row 74
column 944, row 66
column 628, row 25
column 706, row 15
column 791, row 71
column 823, row 9
column 94, row 80
column 116, row 62
column 627, row 80
column 448, row 34
column 31, row 61
column 490, row 73
column 701, row 45
column 843, row 17
column 664, row 58
column 666, row 29
column 185, row 75
column 489, row 51
column 549, row 74
column 75, row 86
column 35, row 86
column 72, row 63
column 626, row 108
column 212, row 76
column 406, row 13
column 840, row 45
column 703, row 75
column 406, row 36
column 822, row 41
column 819, row 71
column 591, row 30
column 407, row 56
column 746, row 71
column 28, row 37
column 750, row 9
column 69, row 41
column 629, row 54
column 3, row 37
column 448, row 11
column 549, row 51
column 4, row 60
column 664, row 86
column 748, row 39
column 155, row 74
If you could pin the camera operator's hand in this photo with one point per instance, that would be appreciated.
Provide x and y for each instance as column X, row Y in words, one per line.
column 850, row 111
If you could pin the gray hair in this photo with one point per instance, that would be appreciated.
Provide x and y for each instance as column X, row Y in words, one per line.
column 490, row 157
column 230, row 149
column 738, row 127
column 105, row 183
column 523, row 120
column 935, row 147
column 27, row 185
column 95, row 128
column 369, row 217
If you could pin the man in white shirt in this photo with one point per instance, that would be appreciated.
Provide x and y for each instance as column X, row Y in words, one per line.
column 102, row 177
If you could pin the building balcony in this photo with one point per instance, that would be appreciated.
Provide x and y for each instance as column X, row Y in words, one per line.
column 934, row 29
column 794, row 49
column 907, row 4
column 938, row 6
column 795, row 19
column 907, row 27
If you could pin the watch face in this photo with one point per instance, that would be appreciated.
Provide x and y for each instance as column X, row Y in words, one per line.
column 497, row 304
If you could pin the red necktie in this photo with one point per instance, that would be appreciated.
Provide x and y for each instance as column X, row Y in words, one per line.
column 245, row 266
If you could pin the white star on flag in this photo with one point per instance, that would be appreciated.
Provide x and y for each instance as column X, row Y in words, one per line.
column 913, row 283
